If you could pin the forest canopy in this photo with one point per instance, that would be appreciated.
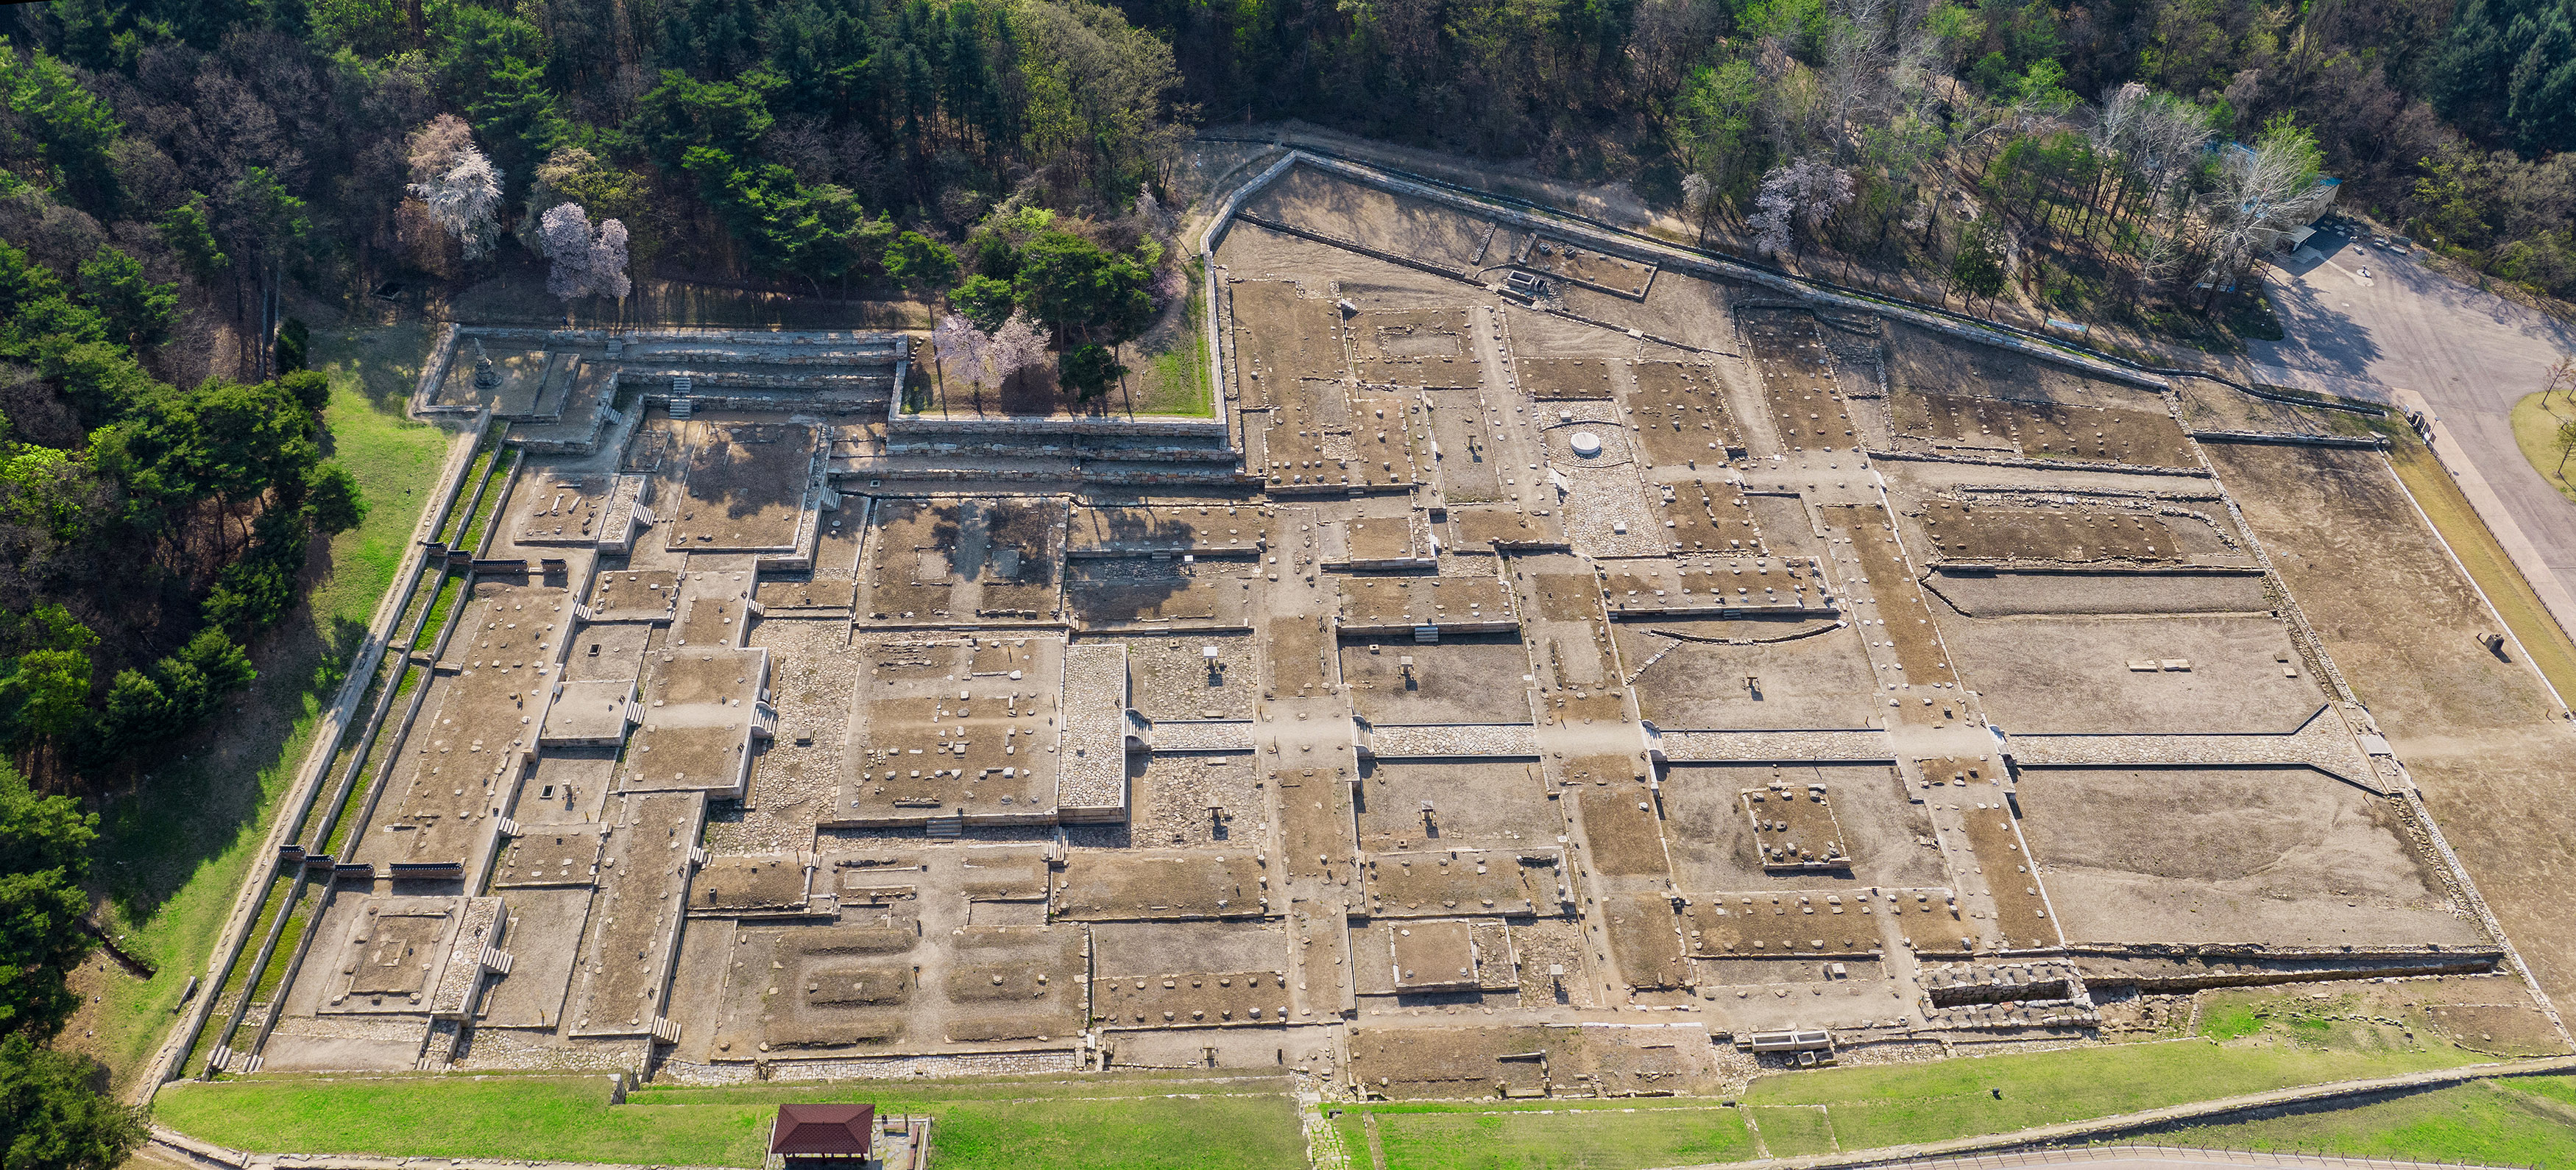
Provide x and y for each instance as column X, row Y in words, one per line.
column 168, row 168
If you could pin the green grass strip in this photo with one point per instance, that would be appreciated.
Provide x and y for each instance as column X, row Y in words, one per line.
column 569, row 1118
column 456, row 512
column 1572, row 1139
column 2517, row 1121
column 1902, row 1104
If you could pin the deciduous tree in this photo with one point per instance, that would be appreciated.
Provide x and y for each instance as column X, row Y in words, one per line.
column 1801, row 194
column 584, row 262
column 461, row 187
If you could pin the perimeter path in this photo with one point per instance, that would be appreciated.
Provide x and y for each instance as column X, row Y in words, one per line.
column 2470, row 355
column 2167, row 1158
column 172, row 1146
column 2119, row 1123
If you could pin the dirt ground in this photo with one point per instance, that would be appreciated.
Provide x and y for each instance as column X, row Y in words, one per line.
column 1715, row 847
column 2285, row 856
column 2480, row 735
column 2071, row 675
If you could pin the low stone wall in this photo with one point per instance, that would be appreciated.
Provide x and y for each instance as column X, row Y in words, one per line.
column 1678, row 259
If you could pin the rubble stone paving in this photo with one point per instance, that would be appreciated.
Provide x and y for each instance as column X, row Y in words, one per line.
column 1720, row 746
column 1223, row 735
column 1454, row 740
column 812, row 674
column 1091, row 772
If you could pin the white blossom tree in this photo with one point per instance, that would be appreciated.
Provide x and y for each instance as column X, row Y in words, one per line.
column 1800, row 194
column 459, row 185
column 586, row 262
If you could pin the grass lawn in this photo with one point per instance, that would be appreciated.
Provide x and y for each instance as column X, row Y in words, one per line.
column 2521, row 1121
column 2441, row 499
column 1022, row 1126
column 172, row 855
column 2268, row 1044
column 1791, row 1130
column 1903, row 1104
column 1170, row 366
column 2535, row 430
column 1563, row 1139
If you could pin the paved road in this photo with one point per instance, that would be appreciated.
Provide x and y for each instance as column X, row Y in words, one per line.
column 2013, row 1148
column 2470, row 354
column 2155, row 1158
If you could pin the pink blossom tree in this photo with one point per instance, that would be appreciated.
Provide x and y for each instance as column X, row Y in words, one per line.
column 1801, row 194
column 981, row 359
column 586, row 262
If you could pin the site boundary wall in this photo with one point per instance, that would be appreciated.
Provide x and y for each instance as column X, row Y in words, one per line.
column 332, row 728
column 1729, row 266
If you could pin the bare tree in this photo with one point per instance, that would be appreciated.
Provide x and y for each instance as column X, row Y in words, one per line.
column 1793, row 108
column 1857, row 75
column 2171, row 135
column 2264, row 192
column 1670, row 36
column 1695, row 201
column 1157, row 220
column 432, row 148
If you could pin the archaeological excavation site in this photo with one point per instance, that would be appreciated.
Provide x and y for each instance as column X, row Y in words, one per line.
column 1554, row 666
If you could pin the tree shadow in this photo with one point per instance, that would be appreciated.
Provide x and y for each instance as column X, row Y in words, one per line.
column 750, row 467
column 1145, row 570
column 190, row 801
column 516, row 295
column 2320, row 332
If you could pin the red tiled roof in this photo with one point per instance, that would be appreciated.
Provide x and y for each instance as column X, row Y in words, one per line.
column 823, row 1129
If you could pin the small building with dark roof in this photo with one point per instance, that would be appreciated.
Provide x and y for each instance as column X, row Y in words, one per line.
column 817, row 1137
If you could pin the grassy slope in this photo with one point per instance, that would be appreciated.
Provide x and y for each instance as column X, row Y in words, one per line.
column 1896, row 1105
column 1868, row 1107
column 1153, row 1122
column 2494, row 572
column 2523, row 1121
column 1172, row 377
column 570, row 1118
column 1593, row 1139
column 172, row 856
column 1791, row 1130
column 2535, row 431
